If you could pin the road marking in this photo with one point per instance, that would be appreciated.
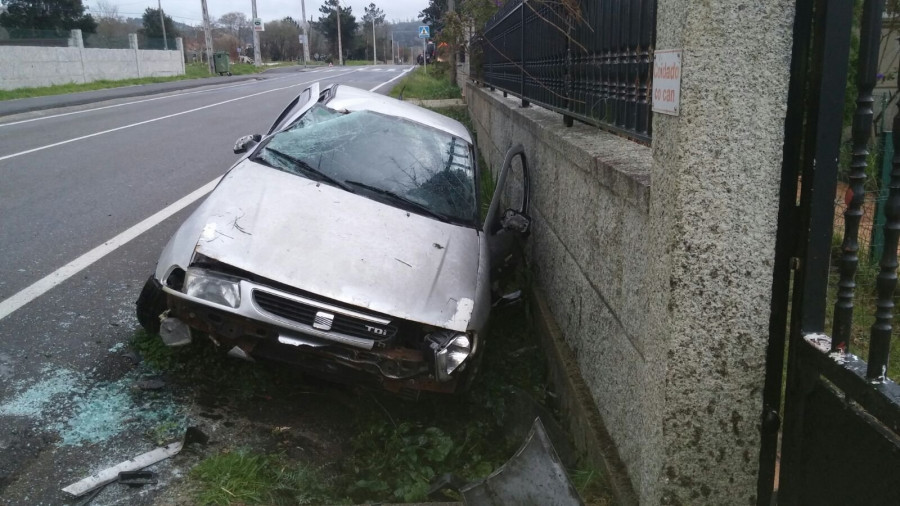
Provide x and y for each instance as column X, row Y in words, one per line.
column 401, row 74
column 65, row 272
column 57, row 277
column 136, row 102
column 111, row 130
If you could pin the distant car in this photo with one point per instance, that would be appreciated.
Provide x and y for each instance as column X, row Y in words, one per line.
column 348, row 241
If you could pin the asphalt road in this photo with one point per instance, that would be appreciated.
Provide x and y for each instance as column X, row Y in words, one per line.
column 81, row 189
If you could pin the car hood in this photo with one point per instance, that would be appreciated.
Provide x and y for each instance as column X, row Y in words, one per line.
column 340, row 245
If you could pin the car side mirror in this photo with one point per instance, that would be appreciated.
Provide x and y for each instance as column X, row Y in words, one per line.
column 245, row 143
column 515, row 221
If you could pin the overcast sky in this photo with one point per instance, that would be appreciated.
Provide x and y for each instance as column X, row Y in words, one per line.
column 190, row 11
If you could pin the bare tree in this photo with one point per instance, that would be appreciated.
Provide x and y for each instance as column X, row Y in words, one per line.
column 373, row 16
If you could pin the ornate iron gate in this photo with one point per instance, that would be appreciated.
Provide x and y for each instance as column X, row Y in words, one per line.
column 840, row 441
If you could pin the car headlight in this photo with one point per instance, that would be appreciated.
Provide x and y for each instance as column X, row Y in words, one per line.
column 449, row 350
column 212, row 287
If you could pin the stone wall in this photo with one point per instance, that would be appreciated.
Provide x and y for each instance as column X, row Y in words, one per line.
column 591, row 193
column 23, row 66
column 657, row 262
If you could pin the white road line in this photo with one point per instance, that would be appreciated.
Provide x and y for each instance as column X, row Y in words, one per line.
column 136, row 102
column 53, row 279
column 401, row 74
column 111, row 130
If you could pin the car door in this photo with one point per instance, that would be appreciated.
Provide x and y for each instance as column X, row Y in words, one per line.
column 507, row 229
column 296, row 108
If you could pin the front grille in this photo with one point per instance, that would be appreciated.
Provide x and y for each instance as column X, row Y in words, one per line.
column 309, row 315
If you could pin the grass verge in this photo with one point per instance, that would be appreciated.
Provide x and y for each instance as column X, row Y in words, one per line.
column 433, row 84
column 192, row 71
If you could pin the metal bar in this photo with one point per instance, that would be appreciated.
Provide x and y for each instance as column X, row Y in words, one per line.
column 785, row 246
column 867, row 67
column 824, row 108
column 848, row 373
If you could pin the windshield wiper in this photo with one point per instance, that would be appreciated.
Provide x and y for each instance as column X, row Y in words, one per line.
column 402, row 200
column 309, row 169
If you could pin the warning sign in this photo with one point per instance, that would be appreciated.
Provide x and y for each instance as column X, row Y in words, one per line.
column 667, row 81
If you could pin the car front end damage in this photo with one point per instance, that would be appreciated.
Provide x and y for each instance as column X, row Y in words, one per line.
column 262, row 319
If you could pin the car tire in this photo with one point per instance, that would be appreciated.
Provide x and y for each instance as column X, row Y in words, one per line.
column 150, row 304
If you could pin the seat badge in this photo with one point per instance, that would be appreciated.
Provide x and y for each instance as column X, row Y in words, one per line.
column 323, row 321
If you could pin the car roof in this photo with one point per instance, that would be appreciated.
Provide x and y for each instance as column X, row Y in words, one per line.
column 354, row 99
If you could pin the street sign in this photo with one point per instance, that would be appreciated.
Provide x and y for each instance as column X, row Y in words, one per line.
column 303, row 38
column 424, row 32
column 258, row 25
column 667, row 81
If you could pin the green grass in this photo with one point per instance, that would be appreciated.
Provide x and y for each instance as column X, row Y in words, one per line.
column 248, row 478
column 192, row 71
column 357, row 63
column 431, row 84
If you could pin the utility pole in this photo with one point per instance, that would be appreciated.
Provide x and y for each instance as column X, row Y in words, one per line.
column 374, row 46
column 451, row 7
column 340, row 49
column 257, row 59
column 305, row 32
column 162, row 21
column 209, row 56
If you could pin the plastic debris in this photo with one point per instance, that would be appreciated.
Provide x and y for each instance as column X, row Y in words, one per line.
column 111, row 474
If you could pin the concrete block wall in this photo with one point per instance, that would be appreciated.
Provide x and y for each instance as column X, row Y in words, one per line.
column 39, row 66
column 161, row 63
column 590, row 206
column 22, row 66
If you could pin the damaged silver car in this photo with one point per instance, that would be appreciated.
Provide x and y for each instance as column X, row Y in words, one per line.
column 348, row 240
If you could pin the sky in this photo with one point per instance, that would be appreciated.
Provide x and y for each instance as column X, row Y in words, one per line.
column 190, row 11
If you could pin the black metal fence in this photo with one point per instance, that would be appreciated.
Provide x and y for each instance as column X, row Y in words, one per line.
column 840, row 442
column 590, row 60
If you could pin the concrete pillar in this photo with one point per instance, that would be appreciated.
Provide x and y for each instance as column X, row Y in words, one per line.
column 713, row 210
column 133, row 44
column 76, row 39
column 179, row 46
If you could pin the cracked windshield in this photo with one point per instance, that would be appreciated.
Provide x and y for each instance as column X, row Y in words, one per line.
column 392, row 160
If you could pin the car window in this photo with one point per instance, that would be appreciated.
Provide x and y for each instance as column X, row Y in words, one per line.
column 382, row 157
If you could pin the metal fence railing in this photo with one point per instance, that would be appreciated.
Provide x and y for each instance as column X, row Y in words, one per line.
column 587, row 59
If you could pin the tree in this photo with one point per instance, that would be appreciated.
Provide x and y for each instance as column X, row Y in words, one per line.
column 152, row 31
column 373, row 16
column 328, row 24
column 280, row 41
column 237, row 25
column 433, row 15
column 30, row 18
column 112, row 29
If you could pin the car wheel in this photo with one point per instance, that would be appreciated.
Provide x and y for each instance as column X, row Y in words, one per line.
column 150, row 304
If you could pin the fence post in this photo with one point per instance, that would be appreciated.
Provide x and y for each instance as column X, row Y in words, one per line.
column 76, row 40
column 179, row 46
column 525, row 102
column 133, row 44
